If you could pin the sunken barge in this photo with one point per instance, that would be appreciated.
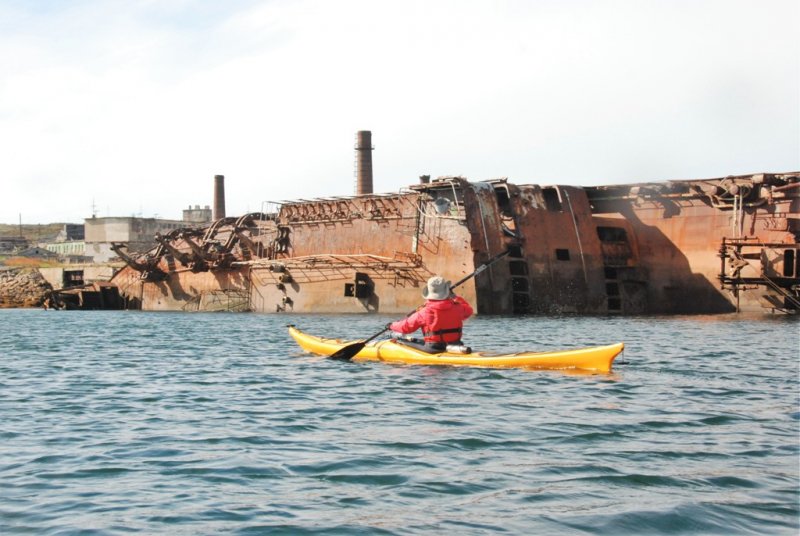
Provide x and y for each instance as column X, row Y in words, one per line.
column 676, row 247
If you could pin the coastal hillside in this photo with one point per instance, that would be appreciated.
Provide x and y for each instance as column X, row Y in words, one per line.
column 33, row 232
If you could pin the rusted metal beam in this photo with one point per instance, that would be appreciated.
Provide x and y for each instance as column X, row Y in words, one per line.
column 148, row 268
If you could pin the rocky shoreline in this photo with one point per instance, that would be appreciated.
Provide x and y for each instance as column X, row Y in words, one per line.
column 23, row 287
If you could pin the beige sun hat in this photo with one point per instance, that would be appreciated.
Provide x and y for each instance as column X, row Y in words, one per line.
column 438, row 288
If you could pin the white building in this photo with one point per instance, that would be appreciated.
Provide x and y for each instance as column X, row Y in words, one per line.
column 137, row 233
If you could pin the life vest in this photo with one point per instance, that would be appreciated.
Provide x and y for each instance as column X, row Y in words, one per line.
column 443, row 322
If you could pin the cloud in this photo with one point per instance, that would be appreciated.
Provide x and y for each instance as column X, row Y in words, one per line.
column 138, row 105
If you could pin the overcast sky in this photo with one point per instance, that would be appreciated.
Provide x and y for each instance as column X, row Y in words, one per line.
column 133, row 106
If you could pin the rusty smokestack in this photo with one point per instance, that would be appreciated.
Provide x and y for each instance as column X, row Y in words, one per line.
column 424, row 179
column 363, row 162
column 219, row 197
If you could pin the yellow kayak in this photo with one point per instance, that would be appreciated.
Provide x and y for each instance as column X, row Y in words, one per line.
column 595, row 358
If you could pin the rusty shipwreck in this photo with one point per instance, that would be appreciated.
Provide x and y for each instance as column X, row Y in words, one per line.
column 690, row 246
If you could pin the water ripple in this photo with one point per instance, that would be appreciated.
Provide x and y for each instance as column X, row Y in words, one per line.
column 216, row 423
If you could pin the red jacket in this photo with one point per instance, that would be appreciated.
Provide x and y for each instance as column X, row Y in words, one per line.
column 440, row 320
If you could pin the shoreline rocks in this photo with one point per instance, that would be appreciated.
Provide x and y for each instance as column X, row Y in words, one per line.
column 23, row 287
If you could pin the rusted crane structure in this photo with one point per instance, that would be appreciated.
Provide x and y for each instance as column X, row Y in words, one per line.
column 696, row 246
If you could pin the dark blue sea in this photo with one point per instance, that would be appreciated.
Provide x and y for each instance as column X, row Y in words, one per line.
column 179, row 424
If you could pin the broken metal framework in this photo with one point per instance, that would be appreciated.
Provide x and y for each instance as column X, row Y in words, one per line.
column 748, row 264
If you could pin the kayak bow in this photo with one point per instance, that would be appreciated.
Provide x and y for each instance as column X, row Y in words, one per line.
column 595, row 358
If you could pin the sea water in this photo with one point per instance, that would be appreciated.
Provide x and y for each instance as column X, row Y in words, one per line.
column 180, row 423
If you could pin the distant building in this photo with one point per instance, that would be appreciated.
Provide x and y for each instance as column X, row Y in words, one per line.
column 76, row 275
column 37, row 252
column 197, row 214
column 69, row 244
column 10, row 244
column 67, row 249
column 137, row 233
column 71, row 232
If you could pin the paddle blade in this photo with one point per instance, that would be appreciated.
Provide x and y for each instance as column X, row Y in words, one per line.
column 348, row 352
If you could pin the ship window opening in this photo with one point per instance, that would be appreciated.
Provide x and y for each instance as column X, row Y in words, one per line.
column 521, row 302
column 614, row 304
column 612, row 234
column 72, row 278
column 452, row 194
column 551, row 199
column 562, row 254
column 361, row 288
column 515, row 251
column 612, row 289
column 797, row 265
column 518, row 268
column 788, row 262
column 503, row 201
column 519, row 284
column 611, row 273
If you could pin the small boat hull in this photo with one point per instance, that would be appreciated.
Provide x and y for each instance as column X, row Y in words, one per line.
column 595, row 358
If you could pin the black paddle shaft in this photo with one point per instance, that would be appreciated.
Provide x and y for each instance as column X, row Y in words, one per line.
column 349, row 351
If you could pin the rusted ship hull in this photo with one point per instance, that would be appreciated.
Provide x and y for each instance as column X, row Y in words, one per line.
column 710, row 246
column 706, row 246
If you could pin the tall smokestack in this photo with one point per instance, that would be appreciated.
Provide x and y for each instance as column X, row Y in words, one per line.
column 219, row 197
column 364, row 162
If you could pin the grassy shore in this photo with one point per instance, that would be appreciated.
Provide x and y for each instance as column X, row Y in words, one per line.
column 33, row 232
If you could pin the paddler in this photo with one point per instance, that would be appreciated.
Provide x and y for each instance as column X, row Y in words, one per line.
column 441, row 318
